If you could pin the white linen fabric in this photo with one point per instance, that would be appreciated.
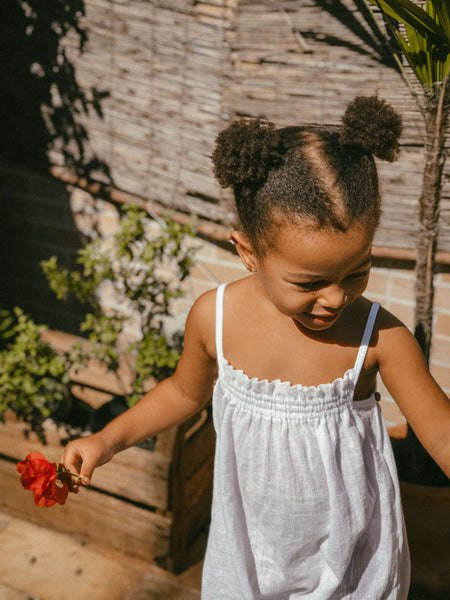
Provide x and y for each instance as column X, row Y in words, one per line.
column 306, row 499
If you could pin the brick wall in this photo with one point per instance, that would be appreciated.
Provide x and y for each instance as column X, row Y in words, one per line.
column 41, row 216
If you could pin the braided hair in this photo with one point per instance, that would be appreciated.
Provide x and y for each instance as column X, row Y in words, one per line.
column 326, row 175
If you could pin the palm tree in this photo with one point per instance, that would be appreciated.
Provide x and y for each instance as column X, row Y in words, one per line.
column 424, row 40
column 422, row 31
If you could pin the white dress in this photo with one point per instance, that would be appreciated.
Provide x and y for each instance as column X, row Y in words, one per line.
column 306, row 497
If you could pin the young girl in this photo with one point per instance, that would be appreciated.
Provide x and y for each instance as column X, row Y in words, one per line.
column 306, row 497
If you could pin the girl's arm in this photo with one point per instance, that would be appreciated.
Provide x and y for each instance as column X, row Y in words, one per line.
column 421, row 400
column 169, row 403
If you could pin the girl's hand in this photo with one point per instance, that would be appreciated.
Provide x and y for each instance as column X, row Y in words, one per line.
column 82, row 456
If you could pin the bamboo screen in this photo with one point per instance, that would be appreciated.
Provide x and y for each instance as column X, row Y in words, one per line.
column 157, row 80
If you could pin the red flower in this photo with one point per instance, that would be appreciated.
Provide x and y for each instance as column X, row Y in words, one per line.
column 50, row 483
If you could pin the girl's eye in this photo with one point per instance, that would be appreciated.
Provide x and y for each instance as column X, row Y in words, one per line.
column 311, row 286
column 359, row 275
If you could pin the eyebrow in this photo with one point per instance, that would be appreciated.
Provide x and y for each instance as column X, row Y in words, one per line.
column 367, row 261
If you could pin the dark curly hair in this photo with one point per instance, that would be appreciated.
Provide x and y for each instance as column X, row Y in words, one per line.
column 324, row 174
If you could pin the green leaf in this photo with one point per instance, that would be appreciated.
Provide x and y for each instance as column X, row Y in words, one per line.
column 413, row 15
column 440, row 11
column 33, row 377
column 424, row 42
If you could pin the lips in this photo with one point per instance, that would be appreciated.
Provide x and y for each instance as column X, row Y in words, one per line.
column 324, row 318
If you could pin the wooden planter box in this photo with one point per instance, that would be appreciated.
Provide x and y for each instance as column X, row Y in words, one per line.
column 150, row 504
column 153, row 505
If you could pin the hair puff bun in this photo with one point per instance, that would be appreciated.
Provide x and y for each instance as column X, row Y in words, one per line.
column 371, row 124
column 245, row 152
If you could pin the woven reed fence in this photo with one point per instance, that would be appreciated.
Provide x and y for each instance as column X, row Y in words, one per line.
column 172, row 73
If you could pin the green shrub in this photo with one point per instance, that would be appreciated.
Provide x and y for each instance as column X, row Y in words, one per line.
column 143, row 265
column 33, row 378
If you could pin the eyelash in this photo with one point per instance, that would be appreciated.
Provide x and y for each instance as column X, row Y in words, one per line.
column 316, row 285
column 310, row 287
column 360, row 275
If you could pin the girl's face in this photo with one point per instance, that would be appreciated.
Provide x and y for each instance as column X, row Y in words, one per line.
column 312, row 275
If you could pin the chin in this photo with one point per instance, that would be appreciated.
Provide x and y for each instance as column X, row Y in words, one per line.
column 317, row 323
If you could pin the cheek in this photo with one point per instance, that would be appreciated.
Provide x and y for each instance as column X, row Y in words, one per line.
column 294, row 301
column 358, row 287
column 365, row 281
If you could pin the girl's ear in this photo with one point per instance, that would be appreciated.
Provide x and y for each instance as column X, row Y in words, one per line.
column 245, row 250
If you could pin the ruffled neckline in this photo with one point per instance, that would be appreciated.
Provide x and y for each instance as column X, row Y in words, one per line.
column 275, row 383
column 281, row 398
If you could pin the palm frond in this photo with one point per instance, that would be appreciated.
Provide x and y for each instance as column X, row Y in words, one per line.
column 405, row 11
column 425, row 39
column 439, row 10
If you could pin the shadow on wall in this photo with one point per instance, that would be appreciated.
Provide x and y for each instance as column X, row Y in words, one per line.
column 360, row 22
column 41, row 100
column 42, row 107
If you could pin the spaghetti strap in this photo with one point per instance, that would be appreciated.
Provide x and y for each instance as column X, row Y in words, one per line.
column 366, row 339
column 219, row 325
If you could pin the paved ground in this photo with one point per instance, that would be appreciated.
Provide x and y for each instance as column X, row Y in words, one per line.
column 39, row 564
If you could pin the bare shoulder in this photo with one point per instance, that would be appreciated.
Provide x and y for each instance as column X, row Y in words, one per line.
column 387, row 320
column 201, row 322
column 197, row 368
column 205, row 305
column 202, row 317
column 392, row 335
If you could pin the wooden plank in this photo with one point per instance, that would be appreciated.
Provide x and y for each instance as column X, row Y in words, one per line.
column 49, row 564
column 192, row 509
column 190, row 496
column 134, row 474
column 93, row 516
column 95, row 374
column 199, row 485
column 94, row 398
column 137, row 474
column 156, row 587
column 198, row 445
column 196, row 509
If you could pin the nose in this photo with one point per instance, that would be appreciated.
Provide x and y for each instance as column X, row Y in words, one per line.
column 332, row 296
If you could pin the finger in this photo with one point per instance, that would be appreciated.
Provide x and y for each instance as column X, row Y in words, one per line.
column 71, row 459
column 88, row 465
column 73, row 462
column 86, row 474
